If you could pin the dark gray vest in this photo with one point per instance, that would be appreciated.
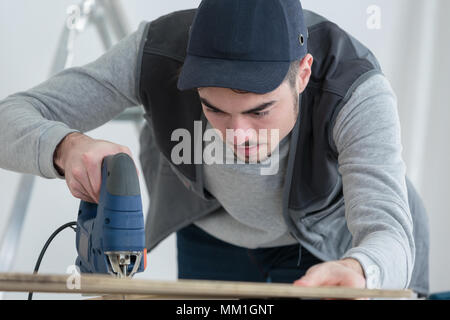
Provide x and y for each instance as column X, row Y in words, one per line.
column 313, row 186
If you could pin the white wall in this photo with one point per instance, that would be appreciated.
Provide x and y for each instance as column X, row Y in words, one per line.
column 29, row 32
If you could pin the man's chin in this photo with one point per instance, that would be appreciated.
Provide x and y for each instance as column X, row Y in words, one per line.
column 252, row 159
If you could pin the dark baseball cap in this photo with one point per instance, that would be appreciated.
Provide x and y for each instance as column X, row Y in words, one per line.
column 246, row 45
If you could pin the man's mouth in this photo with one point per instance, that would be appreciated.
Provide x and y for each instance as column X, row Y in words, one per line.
column 247, row 150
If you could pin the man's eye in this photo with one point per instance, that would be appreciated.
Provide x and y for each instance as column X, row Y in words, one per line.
column 213, row 110
column 260, row 114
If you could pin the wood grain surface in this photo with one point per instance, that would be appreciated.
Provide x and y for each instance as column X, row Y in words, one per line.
column 114, row 288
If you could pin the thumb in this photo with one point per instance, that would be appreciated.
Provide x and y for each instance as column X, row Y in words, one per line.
column 306, row 281
column 314, row 277
column 302, row 282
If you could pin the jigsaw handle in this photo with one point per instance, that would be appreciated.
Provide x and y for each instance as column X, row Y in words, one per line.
column 121, row 177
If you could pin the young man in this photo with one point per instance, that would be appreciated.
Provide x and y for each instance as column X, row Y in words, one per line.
column 297, row 93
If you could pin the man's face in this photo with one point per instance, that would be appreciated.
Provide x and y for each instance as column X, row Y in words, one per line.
column 275, row 111
column 258, row 121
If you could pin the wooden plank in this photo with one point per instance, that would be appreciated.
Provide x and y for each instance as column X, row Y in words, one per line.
column 107, row 285
column 156, row 297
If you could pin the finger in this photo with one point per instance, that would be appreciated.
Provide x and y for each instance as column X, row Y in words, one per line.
column 78, row 192
column 93, row 174
column 81, row 182
column 318, row 275
column 126, row 150
column 82, row 196
column 331, row 274
column 89, row 188
column 84, row 185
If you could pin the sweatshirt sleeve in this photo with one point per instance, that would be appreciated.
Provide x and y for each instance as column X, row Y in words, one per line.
column 77, row 99
column 368, row 140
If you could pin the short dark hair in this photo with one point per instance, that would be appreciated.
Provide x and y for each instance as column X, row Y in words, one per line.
column 293, row 73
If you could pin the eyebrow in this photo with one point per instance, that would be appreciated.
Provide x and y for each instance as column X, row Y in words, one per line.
column 259, row 108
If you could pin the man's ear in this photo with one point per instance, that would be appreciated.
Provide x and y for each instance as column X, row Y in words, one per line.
column 304, row 72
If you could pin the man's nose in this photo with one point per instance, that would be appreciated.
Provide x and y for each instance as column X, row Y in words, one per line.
column 241, row 130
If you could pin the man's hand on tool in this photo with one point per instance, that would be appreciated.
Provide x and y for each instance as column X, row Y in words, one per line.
column 345, row 273
column 79, row 158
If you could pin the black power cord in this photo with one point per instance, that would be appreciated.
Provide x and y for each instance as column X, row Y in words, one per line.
column 71, row 225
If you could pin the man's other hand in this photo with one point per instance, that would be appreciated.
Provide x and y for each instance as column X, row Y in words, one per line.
column 345, row 273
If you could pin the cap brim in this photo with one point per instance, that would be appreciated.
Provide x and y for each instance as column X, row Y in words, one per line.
column 253, row 76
